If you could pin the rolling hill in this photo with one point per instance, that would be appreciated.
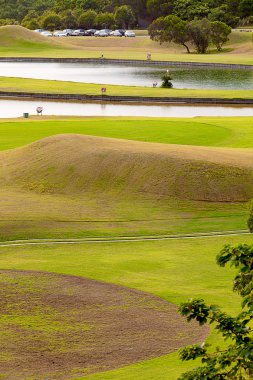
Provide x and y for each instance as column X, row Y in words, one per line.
column 76, row 164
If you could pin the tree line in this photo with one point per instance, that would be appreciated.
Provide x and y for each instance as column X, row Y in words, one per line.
column 199, row 33
column 139, row 13
column 122, row 17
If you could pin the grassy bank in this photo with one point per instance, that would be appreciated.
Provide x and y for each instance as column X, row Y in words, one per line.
column 60, row 87
column 174, row 270
column 16, row 41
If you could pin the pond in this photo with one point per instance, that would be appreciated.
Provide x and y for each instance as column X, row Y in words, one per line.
column 16, row 108
column 183, row 77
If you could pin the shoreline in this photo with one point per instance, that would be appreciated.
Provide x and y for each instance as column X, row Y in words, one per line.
column 79, row 98
column 130, row 62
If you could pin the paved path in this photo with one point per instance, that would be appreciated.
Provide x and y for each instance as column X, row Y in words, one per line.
column 121, row 239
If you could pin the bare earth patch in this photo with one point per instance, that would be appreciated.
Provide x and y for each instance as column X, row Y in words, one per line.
column 61, row 327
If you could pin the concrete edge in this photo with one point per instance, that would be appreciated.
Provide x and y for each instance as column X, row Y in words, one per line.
column 123, row 99
column 132, row 62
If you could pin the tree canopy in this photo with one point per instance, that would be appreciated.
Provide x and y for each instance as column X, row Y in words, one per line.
column 138, row 11
column 200, row 33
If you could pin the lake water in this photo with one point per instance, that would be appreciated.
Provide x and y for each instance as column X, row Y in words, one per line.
column 209, row 78
column 16, row 108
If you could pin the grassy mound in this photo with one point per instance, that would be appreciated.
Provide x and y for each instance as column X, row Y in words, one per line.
column 20, row 38
column 76, row 164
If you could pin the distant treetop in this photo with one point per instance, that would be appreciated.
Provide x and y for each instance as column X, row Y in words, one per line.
column 135, row 13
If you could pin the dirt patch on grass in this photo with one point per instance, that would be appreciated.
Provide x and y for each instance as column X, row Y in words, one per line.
column 61, row 327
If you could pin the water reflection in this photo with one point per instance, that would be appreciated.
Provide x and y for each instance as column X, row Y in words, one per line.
column 16, row 108
column 130, row 75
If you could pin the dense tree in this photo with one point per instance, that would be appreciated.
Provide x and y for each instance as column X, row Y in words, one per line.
column 30, row 21
column 68, row 20
column 222, row 14
column 124, row 16
column 235, row 361
column 219, row 32
column 159, row 8
column 8, row 21
column 52, row 21
column 228, row 11
column 104, row 20
column 88, row 4
column 170, row 29
column 87, row 19
column 246, row 8
column 191, row 9
column 199, row 31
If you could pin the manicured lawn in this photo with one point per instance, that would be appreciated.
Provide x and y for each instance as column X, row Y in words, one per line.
column 29, row 214
column 234, row 132
column 61, row 87
column 34, row 214
column 19, row 42
column 174, row 270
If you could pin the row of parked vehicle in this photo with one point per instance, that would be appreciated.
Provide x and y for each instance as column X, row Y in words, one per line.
column 89, row 32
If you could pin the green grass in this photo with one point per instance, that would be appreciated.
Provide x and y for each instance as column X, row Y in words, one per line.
column 38, row 214
column 27, row 215
column 61, row 87
column 19, row 42
column 35, row 213
column 174, row 270
column 236, row 132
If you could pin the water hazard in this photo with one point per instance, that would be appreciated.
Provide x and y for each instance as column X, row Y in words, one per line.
column 16, row 108
column 121, row 74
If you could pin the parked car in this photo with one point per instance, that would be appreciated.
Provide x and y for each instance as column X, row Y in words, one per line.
column 129, row 33
column 46, row 33
column 69, row 32
column 116, row 33
column 101, row 33
column 122, row 31
column 39, row 30
column 60, row 33
column 79, row 32
column 90, row 32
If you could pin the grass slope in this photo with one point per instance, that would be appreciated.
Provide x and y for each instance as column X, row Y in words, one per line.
column 72, row 185
column 16, row 38
column 173, row 270
column 74, row 163
column 238, row 50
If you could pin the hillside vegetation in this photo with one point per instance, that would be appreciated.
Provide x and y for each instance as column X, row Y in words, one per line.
column 69, row 14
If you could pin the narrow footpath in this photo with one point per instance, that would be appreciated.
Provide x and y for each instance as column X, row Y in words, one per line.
column 121, row 239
